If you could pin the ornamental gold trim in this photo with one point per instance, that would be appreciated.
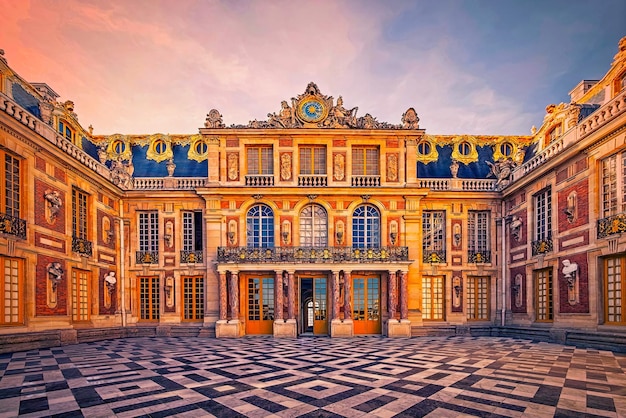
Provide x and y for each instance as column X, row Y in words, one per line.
column 113, row 141
column 193, row 154
column 472, row 156
column 430, row 157
column 154, row 141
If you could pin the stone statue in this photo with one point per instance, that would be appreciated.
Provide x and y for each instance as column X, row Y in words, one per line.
column 569, row 271
column 516, row 228
column 410, row 120
column 55, row 274
column 501, row 170
column 122, row 174
column 54, row 203
column 284, row 118
column 341, row 117
column 213, row 119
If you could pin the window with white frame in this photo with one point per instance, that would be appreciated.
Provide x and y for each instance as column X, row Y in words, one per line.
column 149, row 232
column 433, row 236
column 366, row 227
column 614, row 185
column 543, row 215
column 313, row 226
column 192, row 231
column 260, row 227
column 478, row 236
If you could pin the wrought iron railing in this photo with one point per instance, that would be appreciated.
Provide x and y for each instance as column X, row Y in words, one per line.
column 12, row 226
column 479, row 256
column 191, row 257
column 82, row 246
column 311, row 255
column 147, row 257
column 434, row 256
column 612, row 225
column 542, row 246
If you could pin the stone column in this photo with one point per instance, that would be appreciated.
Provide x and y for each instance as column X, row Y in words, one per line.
column 291, row 302
column 347, row 295
column 335, row 295
column 234, row 295
column 404, row 296
column 278, row 295
column 223, row 296
column 392, row 290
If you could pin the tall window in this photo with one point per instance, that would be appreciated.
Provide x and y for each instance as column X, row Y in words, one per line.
column 365, row 161
column 366, row 227
column 478, row 298
column 433, row 236
column 432, row 298
column 313, row 226
column 478, row 237
column 543, row 216
column 312, row 160
column 543, row 295
column 614, row 283
column 79, row 214
column 260, row 160
column 614, row 185
column 553, row 134
column 149, row 298
column 80, row 295
column 192, row 231
column 11, row 291
column 10, row 189
column 149, row 232
column 193, row 298
column 260, row 227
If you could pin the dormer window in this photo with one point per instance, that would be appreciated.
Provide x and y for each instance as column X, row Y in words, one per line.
column 66, row 130
column 553, row 134
column 506, row 149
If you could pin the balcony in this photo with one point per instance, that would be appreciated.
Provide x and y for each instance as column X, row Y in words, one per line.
column 365, row 181
column 478, row 257
column 434, row 256
column 82, row 247
column 12, row 226
column 542, row 246
column 191, row 257
column 612, row 225
column 318, row 180
column 147, row 257
column 308, row 255
column 260, row 180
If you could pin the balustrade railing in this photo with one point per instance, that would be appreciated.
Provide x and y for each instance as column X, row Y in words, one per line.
column 313, row 180
column 12, row 225
column 365, row 181
column 260, row 180
column 611, row 225
column 311, row 255
column 82, row 246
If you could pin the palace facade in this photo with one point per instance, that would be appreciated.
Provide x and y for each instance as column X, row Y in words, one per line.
column 316, row 221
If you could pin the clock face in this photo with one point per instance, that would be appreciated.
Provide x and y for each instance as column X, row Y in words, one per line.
column 311, row 110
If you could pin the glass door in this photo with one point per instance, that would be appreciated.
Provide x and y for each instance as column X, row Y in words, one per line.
column 366, row 305
column 260, row 305
column 314, row 308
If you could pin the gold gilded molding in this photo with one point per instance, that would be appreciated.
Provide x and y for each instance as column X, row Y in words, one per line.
column 464, row 149
column 118, row 147
column 432, row 155
column 159, row 148
column 517, row 154
column 197, row 142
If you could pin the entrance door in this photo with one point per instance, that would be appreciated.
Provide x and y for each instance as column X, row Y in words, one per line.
column 314, row 312
column 366, row 305
column 260, row 306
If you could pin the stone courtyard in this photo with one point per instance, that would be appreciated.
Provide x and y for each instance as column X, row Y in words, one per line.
column 313, row 377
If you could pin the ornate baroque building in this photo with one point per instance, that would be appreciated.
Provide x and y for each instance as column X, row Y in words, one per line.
column 316, row 221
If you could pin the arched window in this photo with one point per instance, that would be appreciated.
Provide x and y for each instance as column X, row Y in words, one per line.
column 366, row 227
column 260, row 227
column 313, row 226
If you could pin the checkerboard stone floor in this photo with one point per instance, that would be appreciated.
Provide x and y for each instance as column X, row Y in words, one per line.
column 313, row 377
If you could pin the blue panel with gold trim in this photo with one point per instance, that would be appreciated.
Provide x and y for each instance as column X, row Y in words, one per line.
column 26, row 100
column 186, row 167
column 89, row 147
column 441, row 168
column 145, row 167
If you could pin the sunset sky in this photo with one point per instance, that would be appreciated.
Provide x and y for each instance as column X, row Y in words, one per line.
column 159, row 66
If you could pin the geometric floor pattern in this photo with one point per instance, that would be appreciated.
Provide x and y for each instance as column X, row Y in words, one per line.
column 313, row 377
